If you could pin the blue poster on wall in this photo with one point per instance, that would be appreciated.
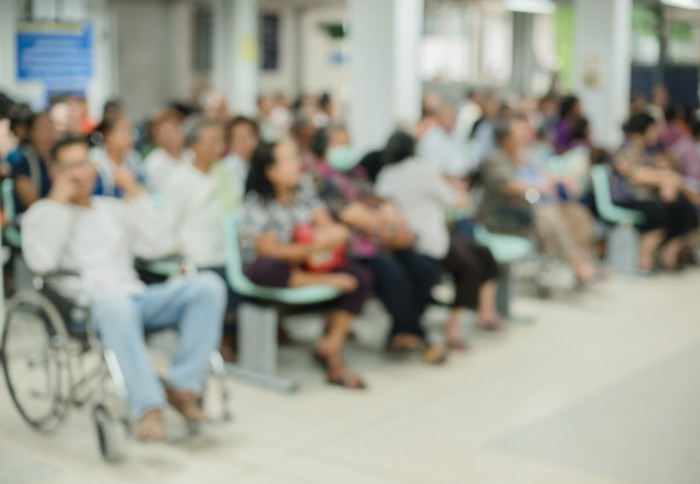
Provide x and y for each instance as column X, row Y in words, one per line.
column 59, row 54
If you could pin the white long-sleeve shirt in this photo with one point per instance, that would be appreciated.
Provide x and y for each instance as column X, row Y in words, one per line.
column 160, row 166
column 194, row 204
column 99, row 242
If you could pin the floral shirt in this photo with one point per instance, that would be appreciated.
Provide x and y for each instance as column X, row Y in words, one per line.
column 621, row 188
column 261, row 216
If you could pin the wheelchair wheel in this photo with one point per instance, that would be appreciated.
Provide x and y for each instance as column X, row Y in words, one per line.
column 109, row 434
column 34, row 353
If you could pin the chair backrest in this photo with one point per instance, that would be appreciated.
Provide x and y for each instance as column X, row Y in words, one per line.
column 234, row 263
column 608, row 211
column 8, row 200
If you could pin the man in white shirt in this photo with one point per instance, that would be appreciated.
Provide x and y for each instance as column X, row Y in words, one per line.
column 440, row 147
column 243, row 138
column 469, row 113
column 99, row 237
column 197, row 198
column 169, row 153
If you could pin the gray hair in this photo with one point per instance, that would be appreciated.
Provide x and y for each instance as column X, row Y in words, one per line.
column 193, row 128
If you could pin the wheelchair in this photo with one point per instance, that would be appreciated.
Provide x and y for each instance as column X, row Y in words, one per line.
column 53, row 361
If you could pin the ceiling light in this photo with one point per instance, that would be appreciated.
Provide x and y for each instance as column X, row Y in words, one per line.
column 532, row 6
column 690, row 4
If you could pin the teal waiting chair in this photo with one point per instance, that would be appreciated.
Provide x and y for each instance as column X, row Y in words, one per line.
column 10, row 232
column 506, row 249
column 623, row 239
column 258, row 317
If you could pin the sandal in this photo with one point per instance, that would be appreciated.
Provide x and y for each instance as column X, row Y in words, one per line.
column 435, row 355
column 150, row 427
column 337, row 373
column 404, row 343
column 187, row 404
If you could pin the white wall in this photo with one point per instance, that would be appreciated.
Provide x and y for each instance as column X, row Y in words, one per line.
column 154, row 54
column 318, row 73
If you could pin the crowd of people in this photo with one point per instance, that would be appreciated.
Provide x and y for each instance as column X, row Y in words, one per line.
column 91, row 197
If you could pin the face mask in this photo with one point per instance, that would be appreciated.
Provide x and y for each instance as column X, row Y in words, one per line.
column 342, row 159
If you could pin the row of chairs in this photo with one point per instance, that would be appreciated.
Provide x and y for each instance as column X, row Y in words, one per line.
column 68, row 336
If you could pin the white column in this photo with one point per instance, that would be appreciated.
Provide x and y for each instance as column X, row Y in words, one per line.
column 523, row 51
column 603, row 65
column 104, row 84
column 236, row 64
column 385, row 86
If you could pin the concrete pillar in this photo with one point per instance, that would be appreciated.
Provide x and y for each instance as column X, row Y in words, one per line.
column 385, row 86
column 523, row 52
column 105, row 78
column 236, row 65
column 602, row 70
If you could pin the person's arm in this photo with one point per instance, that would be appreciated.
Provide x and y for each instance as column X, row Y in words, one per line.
column 24, row 189
column 637, row 175
column 327, row 233
column 176, row 197
column 267, row 246
column 360, row 216
column 46, row 230
column 149, row 236
column 23, row 185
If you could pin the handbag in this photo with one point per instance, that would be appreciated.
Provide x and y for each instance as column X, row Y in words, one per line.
column 325, row 261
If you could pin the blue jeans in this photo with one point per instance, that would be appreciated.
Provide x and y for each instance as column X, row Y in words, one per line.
column 194, row 305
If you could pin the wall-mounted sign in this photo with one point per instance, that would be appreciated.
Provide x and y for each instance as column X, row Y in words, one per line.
column 58, row 54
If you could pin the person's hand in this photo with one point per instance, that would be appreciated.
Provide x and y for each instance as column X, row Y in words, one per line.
column 548, row 188
column 126, row 182
column 330, row 237
column 63, row 188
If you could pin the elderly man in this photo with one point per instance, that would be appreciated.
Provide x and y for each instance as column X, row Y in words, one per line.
column 98, row 237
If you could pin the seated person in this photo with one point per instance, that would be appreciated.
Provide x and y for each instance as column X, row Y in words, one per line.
column 440, row 147
column 419, row 190
column 169, row 153
column 278, row 202
column 30, row 169
column 243, row 139
column 519, row 199
column 98, row 237
column 382, row 241
column 195, row 201
column 650, row 187
column 117, row 150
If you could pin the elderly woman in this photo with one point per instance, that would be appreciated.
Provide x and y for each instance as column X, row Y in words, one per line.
column 280, row 201
column 511, row 189
column 382, row 241
column 421, row 191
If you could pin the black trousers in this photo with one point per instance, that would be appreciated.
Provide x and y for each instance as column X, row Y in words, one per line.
column 403, row 282
column 471, row 265
column 676, row 218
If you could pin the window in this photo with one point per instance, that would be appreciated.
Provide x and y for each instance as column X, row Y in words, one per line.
column 203, row 36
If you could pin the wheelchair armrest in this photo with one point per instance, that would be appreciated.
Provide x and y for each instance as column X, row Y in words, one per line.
column 165, row 266
column 59, row 273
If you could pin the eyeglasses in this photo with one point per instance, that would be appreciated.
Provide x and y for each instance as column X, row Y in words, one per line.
column 69, row 166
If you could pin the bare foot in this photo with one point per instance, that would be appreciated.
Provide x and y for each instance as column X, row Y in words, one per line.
column 489, row 321
column 454, row 339
column 150, row 427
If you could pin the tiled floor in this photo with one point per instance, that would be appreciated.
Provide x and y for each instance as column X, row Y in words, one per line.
column 601, row 388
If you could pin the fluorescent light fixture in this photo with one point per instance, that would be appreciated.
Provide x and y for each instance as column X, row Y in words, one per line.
column 689, row 4
column 531, row 6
